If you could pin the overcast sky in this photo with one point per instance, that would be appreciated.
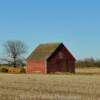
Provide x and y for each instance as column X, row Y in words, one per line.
column 76, row 23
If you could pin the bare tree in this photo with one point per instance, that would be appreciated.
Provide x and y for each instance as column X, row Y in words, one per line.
column 14, row 52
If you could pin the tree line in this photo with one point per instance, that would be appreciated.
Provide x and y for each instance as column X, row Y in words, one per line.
column 88, row 62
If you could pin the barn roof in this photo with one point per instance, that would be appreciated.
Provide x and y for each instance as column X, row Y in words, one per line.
column 43, row 51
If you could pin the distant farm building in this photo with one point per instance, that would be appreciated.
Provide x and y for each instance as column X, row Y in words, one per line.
column 52, row 57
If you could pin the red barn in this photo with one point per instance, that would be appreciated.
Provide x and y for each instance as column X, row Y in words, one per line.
column 52, row 57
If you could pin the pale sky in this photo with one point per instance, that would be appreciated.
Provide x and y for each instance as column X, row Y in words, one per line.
column 76, row 23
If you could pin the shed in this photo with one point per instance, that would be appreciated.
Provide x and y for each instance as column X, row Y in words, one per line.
column 51, row 57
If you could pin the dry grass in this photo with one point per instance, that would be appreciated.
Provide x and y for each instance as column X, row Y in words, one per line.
column 49, row 87
column 88, row 71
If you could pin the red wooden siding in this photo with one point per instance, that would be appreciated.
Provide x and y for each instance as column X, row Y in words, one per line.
column 36, row 66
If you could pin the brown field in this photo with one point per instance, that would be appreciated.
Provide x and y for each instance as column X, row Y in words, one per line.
column 84, row 85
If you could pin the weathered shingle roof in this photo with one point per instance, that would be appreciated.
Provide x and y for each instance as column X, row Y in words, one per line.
column 43, row 51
